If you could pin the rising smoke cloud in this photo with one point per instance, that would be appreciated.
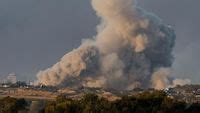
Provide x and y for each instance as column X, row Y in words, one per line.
column 161, row 79
column 131, row 45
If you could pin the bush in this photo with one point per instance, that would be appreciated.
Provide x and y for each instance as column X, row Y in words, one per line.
column 12, row 105
column 145, row 102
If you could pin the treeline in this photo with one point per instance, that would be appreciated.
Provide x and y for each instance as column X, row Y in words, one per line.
column 14, row 85
column 147, row 102
column 155, row 102
column 12, row 105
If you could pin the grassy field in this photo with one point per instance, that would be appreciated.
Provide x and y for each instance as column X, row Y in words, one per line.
column 29, row 94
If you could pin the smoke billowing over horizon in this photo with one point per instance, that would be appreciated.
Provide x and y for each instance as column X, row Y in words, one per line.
column 132, row 48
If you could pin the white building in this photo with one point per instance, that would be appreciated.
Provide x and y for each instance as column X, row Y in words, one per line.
column 11, row 78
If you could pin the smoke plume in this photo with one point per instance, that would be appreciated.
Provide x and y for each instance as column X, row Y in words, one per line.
column 130, row 47
column 161, row 79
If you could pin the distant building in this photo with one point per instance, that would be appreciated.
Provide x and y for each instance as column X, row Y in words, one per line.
column 11, row 78
column 31, row 83
column 5, row 86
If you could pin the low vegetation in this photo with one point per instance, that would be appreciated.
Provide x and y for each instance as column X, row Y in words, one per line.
column 155, row 102
column 146, row 102
column 12, row 105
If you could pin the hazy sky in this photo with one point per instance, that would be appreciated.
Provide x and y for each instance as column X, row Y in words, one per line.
column 35, row 34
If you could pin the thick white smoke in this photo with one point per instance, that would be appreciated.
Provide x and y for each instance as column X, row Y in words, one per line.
column 160, row 79
column 130, row 46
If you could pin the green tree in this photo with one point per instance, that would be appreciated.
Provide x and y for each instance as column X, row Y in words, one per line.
column 12, row 105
